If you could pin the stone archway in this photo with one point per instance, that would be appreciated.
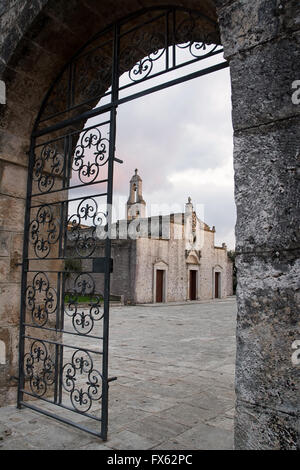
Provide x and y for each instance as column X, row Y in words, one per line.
column 261, row 42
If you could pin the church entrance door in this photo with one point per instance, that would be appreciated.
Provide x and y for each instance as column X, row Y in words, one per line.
column 159, row 285
column 217, row 285
column 193, row 285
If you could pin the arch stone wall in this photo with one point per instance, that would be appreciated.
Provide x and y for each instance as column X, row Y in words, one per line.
column 261, row 40
column 262, row 43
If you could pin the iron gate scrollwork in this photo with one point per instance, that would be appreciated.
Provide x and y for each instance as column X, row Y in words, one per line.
column 64, row 321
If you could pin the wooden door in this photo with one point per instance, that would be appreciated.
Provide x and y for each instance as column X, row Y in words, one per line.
column 217, row 285
column 159, row 285
column 193, row 285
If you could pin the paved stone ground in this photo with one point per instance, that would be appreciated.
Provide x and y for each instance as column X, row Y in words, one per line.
column 175, row 388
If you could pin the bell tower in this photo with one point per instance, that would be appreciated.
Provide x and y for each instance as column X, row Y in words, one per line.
column 136, row 206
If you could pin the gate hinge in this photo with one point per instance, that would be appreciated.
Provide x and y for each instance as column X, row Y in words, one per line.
column 24, row 263
column 112, row 379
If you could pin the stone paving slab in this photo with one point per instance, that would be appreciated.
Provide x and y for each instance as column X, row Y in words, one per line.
column 175, row 388
column 205, row 437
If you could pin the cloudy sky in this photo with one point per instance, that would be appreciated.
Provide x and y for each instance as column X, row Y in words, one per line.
column 180, row 139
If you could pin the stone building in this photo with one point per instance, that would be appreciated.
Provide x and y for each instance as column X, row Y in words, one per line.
column 164, row 258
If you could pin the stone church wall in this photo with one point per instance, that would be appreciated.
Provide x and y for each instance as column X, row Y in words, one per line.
column 171, row 252
column 221, row 261
column 206, row 266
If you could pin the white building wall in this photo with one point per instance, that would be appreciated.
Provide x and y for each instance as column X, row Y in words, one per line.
column 172, row 254
column 207, row 262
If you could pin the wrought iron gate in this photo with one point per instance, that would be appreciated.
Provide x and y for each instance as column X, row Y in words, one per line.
column 64, row 322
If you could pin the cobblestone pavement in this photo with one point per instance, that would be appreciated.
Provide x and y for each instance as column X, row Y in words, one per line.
column 175, row 387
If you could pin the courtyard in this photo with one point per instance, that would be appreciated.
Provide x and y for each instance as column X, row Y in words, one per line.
column 175, row 386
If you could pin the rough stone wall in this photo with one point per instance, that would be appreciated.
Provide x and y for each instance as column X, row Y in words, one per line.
column 262, row 42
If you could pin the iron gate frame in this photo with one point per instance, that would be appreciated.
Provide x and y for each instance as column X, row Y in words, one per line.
column 169, row 14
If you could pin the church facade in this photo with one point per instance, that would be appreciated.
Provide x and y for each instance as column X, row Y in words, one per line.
column 168, row 258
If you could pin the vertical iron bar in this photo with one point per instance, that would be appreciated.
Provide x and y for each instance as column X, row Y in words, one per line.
column 61, row 326
column 69, row 142
column 57, row 347
column 66, row 148
column 24, row 275
column 173, row 38
column 62, row 302
column 64, row 225
column 58, row 288
column 112, row 144
column 56, row 373
column 60, row 366
column 73, row 82
column 61, row 233
column 167, row 39
column 70, row 91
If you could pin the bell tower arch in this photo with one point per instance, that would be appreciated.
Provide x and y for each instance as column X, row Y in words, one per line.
column 136, row 206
